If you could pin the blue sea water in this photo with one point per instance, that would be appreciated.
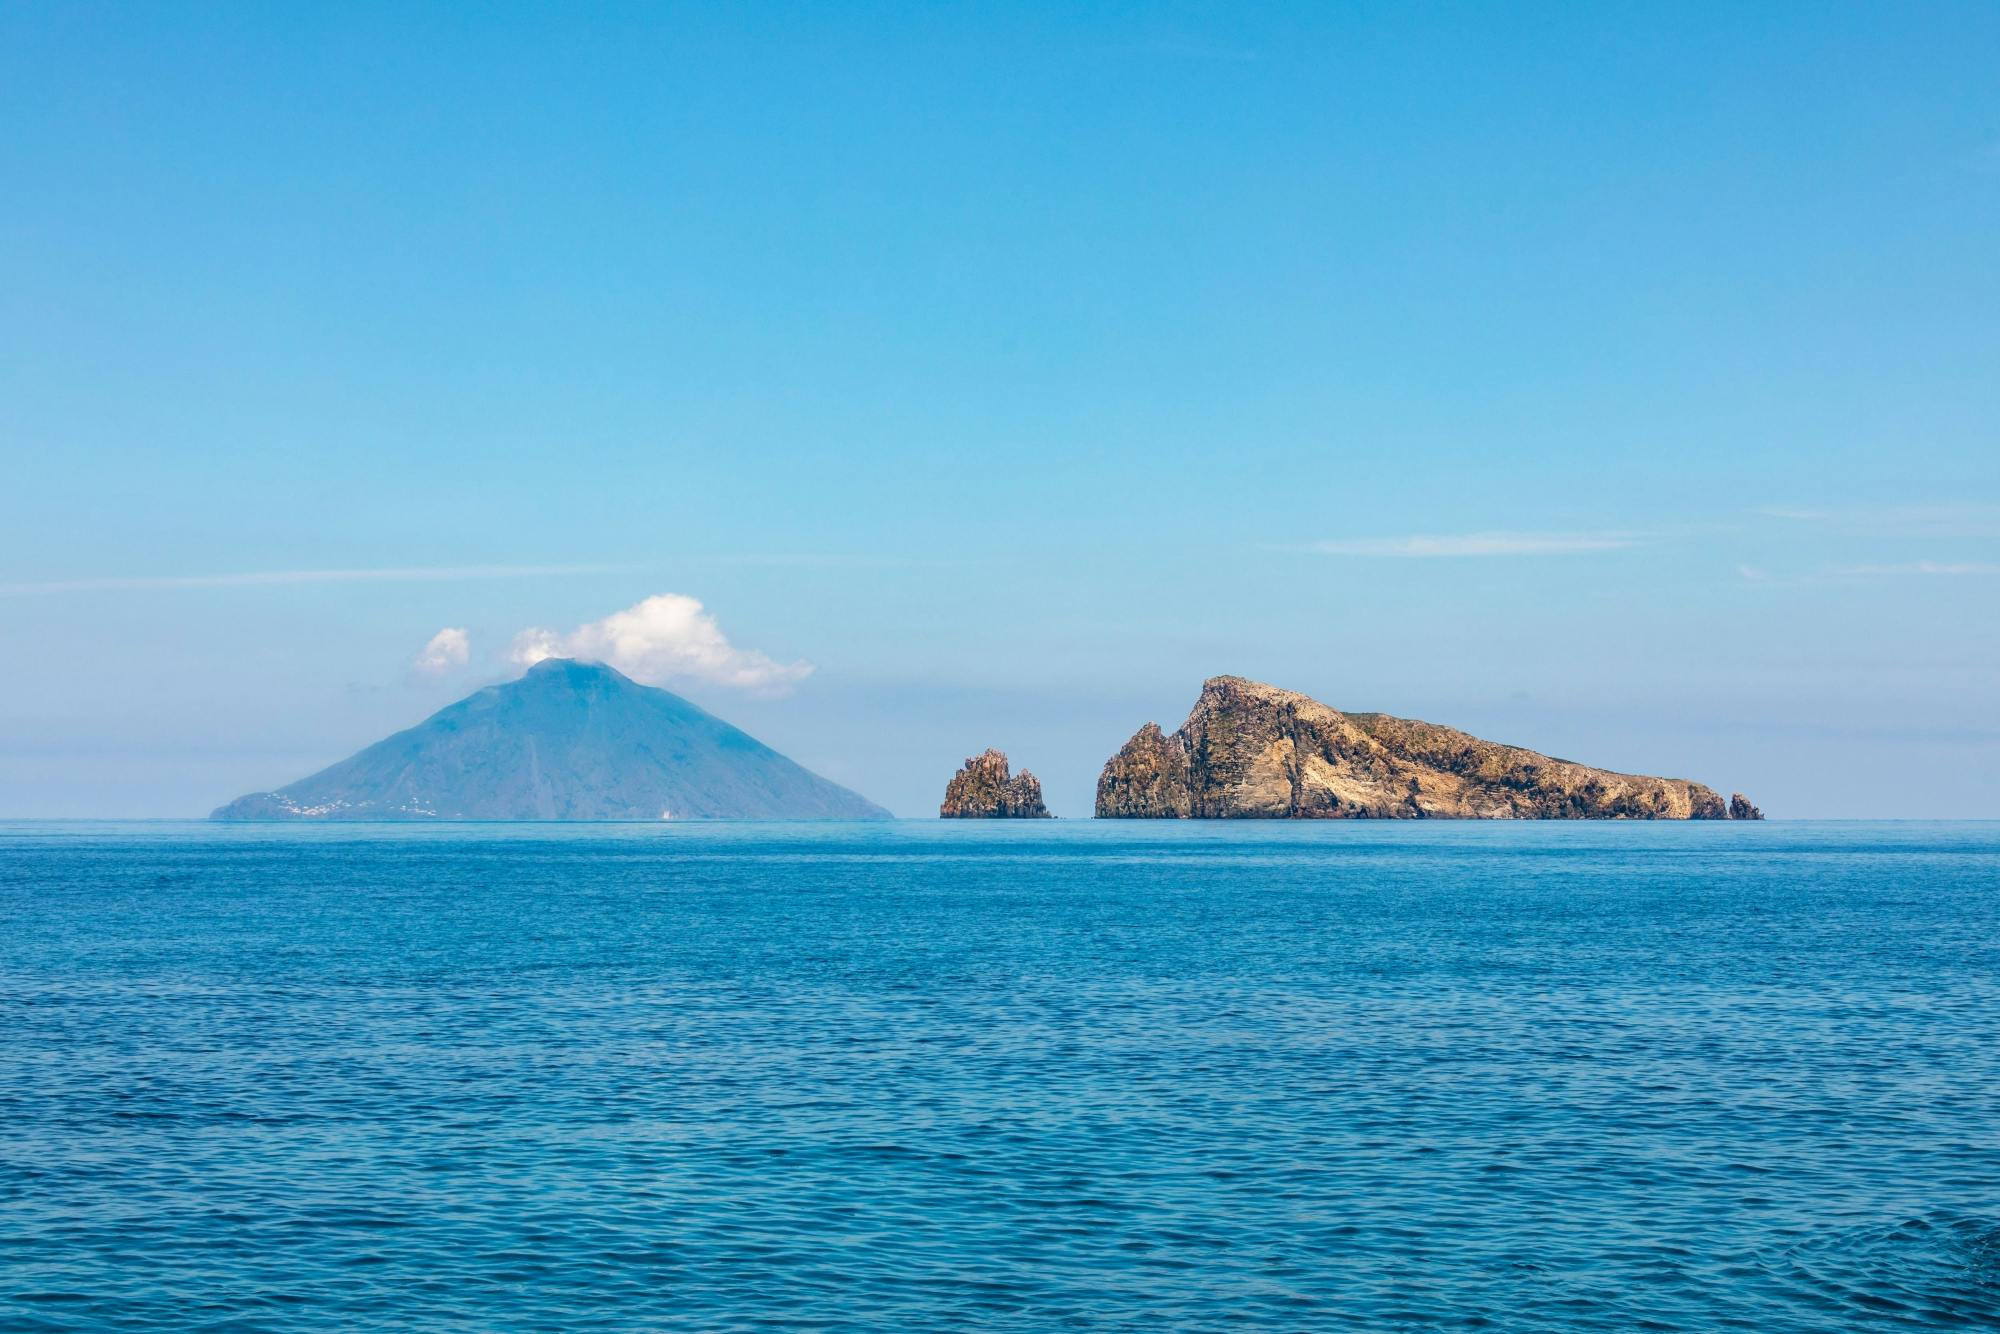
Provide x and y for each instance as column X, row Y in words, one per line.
column 1000, row 1076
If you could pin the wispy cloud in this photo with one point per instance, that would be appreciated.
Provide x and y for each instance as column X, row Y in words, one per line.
column 1957, row 519
column 1426, row 546
column 1938, row 567
column 668, row 637
column 265, row 578
column 810, row 560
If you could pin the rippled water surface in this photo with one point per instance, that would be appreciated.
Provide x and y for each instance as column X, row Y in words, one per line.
column 1021, row 1077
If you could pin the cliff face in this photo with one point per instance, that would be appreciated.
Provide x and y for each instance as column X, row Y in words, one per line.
column 1254, row 751
column 983, row 790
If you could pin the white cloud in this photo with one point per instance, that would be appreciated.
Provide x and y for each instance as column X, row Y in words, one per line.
column 1954, row 519
column 533, row 645
column 450, row 647
column 267, row 578
column 668, row 637
column 1422, row 546
column 1927, row 567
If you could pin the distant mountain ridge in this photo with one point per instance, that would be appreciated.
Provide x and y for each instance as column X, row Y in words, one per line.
column 567, row 741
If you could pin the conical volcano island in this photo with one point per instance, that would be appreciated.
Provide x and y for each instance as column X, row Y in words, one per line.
column 1253, row 751
column 568, row 741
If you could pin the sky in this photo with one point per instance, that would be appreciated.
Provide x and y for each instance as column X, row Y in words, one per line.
column 898, row 380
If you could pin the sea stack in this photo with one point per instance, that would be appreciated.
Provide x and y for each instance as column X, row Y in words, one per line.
column 1253, row 751
column 984, row 790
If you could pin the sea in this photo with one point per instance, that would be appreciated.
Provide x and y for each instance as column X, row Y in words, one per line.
column 1032, row 1076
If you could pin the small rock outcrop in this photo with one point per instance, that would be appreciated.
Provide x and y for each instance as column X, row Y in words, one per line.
column 984, row 790
column 1741, row 809
column 1250, row 750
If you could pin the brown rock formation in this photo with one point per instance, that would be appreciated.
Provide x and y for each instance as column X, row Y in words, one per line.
column 1254, row 751
column 1741, row 809
column 983, row 790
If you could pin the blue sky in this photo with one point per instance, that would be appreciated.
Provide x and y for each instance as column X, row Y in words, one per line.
column 1618, row 380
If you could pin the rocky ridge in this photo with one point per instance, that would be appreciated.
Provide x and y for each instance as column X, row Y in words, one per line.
column 985, row 790
column 1250, row 750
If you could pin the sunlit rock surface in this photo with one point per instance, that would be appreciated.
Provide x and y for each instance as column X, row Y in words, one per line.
column 984, row 790
column 1250, row 750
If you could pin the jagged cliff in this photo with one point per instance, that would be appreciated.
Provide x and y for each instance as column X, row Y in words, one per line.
column 1253, row 751
column 983, row 790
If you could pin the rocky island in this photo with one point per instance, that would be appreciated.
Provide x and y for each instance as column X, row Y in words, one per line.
column 1254, row 751
column 984, row 790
